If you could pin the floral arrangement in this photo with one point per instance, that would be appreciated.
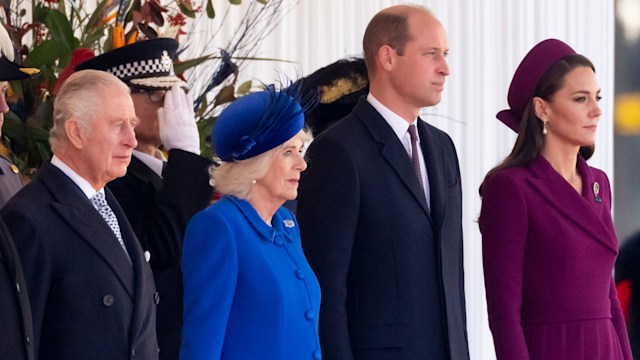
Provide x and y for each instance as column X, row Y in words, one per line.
column 52, row 34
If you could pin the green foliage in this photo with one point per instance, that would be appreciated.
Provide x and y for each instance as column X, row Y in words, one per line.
column 46, row 38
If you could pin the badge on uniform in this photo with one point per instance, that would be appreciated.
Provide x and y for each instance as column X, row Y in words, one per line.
column 14, row 168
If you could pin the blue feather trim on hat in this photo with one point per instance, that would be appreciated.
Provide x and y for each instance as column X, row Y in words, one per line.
column 259, row 122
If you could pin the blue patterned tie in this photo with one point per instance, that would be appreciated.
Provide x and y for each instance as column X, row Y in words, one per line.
column 103, row 208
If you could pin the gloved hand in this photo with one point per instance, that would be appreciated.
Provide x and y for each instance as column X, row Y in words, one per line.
column 177, row 122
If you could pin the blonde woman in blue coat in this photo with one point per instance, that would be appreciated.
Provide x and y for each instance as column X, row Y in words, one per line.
column 249, row 292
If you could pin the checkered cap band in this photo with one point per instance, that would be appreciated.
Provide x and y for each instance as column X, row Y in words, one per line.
column 147, row 68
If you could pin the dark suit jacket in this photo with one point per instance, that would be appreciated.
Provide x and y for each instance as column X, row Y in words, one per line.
column 87, row 299
column 367, row 230
column 159, row 210
column 16, row 330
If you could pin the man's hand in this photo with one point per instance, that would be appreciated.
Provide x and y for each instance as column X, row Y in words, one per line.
column 177, row 122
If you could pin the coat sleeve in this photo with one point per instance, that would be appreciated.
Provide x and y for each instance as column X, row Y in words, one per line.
column 159, row 220
column 328, row 204
column 36, row 266
column 210, row 273
column 503, row 224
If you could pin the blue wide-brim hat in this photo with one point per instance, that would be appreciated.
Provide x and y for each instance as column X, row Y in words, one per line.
column 145, row 64
column 256, row 123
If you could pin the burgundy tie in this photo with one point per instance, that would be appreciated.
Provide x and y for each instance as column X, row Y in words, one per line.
column 414, row 152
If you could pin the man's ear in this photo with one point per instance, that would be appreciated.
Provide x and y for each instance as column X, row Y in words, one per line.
column 541, row 108
column 386, row 57
column 75, row 135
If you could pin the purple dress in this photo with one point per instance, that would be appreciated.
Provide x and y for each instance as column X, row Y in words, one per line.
column 548, row 258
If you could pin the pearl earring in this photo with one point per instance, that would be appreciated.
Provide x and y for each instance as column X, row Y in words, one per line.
column 544, row 127
column 253, row 182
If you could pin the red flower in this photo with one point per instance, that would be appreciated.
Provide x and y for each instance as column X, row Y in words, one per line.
column 79, row 55
column 177, row 20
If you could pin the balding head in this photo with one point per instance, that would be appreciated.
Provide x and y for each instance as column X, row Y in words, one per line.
column 388, row 27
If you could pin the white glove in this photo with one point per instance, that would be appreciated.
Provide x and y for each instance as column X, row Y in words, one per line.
column 177, row 122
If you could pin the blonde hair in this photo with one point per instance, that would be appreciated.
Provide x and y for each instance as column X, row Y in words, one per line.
column 77, row 99
column 237, row 178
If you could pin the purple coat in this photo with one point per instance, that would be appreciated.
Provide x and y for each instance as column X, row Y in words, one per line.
column 548, row 258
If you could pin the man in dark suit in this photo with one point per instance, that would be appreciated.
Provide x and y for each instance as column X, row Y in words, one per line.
column 91, row 291
column 380, row 206
column 160, row 195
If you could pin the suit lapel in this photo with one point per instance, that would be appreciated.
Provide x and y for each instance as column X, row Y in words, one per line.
column 435, row 163
column 78, row 212
column 582, row 209
column 139, row 169
column 392, row 150
column 137, row 263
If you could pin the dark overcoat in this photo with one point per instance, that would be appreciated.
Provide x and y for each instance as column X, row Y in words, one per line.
column 16, row 330
column 159, row 209
column 88, row 300
column 387, row 263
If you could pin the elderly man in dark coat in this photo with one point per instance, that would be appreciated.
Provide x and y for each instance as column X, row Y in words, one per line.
column 90, row 286
column 160, row 194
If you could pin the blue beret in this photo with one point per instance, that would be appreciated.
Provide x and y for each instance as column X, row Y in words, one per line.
column 256, row 123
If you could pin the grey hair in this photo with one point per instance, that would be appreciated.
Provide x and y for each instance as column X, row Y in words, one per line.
column 79, row 98
column 237, row 178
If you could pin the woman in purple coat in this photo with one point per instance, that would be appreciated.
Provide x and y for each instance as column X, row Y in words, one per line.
column 548, row 240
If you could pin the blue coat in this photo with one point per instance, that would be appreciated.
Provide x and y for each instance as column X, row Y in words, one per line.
column 249, row 292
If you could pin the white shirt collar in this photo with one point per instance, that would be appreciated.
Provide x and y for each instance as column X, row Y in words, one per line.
column 83, row 184
column 399, row 125
column 152, row 162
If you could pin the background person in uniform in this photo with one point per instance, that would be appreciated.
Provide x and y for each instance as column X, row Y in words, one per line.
column 158, row 195
column 249, row 291
column 91, row 291
column 10, row 179
column 16, row 330
column 380, row 215
column 548, row 239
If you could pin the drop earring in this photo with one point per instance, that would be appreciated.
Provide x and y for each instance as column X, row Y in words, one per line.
column 544, row 127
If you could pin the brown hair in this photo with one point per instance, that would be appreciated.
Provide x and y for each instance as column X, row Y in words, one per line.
column 530, row 138
column 388, row 27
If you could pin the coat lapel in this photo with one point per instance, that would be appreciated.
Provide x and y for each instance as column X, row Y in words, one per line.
column 80, row 215
column 137, row 263
column 392, row 150
column 435, row 163
column 582, row 209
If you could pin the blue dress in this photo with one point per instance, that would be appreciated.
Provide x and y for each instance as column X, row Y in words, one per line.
column 249, row 292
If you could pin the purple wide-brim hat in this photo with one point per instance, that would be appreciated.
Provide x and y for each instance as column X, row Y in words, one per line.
column 534, row 65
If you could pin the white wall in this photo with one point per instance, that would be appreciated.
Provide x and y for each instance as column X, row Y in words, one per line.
column 487, row 39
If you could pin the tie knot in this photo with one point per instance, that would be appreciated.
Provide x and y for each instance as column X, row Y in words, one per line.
column 99, row 200
column 413, row 134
